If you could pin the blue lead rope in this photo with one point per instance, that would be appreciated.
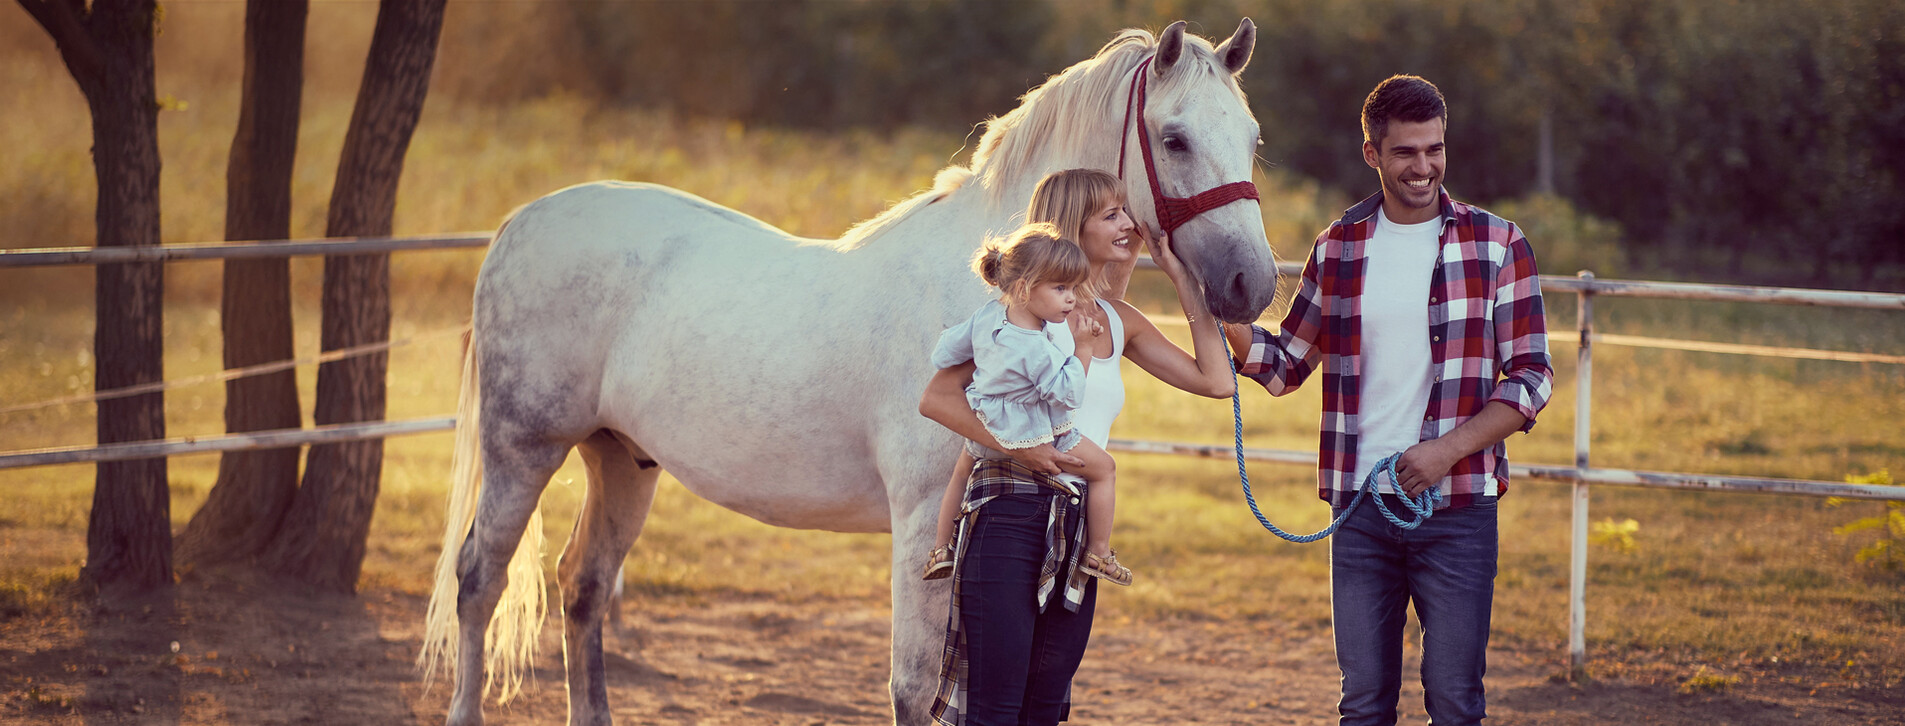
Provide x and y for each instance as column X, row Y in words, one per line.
column 1422, row 505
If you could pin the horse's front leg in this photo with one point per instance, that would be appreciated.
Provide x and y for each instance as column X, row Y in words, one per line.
column 920, row 608
column 621, row 488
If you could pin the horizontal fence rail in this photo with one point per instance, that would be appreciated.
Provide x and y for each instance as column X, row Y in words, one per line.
column 1728, row 293
column 281, row 438
column 249, row 441
column 1697, row 346
column 1765, row 351
column 232, row 374
column 1555, row 472
column 57, row 256
column 1685, row 290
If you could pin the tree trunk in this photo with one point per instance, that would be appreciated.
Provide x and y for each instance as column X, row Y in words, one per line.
column 255, row 488
column 322, row 541
column 108, row 48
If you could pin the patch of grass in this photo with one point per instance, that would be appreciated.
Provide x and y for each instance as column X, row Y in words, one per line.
column 1703, row 682
column 40, row 699
column 26, row 592
column 1748, row 444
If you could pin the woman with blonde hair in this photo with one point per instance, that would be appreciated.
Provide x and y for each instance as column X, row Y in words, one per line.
column 1022, row 605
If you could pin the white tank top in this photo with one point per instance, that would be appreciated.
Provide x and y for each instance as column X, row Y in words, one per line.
column 1104, row 388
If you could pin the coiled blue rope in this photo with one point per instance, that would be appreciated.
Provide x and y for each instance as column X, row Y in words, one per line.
column 1422, row 505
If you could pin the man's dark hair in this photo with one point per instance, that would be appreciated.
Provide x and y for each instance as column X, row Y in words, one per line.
column 1409, row 99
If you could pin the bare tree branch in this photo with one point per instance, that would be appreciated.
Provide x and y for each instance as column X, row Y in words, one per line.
column 65, row 21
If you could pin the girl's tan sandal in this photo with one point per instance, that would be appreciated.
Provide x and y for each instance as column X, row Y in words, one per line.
column 1106, row 568
column 939, row 564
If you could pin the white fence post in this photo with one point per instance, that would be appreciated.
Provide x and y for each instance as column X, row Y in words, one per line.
column 1577, row 550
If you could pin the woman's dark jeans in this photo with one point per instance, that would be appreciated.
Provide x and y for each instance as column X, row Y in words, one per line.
column 1020, row 661
column 1446, row 567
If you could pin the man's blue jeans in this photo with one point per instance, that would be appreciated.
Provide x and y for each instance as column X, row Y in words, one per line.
column 1446, row 568
column 1021, row 661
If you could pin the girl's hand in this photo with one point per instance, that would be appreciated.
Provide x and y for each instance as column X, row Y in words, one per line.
column 1085, row 328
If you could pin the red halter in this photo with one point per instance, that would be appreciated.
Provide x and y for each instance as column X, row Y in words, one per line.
column 1172, row 212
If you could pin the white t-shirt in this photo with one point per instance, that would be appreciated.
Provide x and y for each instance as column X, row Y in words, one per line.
column 1396, row 362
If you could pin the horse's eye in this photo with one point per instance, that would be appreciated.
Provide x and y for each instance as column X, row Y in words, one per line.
column 1175, row 145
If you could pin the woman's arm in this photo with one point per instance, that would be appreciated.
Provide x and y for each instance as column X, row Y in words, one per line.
column 1208, row 372
column 944, row 401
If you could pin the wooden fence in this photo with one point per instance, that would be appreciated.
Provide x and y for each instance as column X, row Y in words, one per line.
column 1581, row 475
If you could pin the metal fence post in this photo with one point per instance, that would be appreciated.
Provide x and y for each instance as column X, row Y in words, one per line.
column 1577, row 550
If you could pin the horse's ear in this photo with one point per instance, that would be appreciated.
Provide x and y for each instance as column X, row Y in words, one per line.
column 1170, row 47
column 1235, row 53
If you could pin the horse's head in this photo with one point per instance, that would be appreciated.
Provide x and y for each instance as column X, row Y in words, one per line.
column 1201, row 141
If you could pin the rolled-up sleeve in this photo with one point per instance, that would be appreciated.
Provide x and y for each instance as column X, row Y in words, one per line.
column 1282, row 360
column 1521, row 333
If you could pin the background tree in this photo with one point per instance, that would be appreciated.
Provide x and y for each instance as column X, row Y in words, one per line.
column 1731, row 142
column 255, row 488
column 107, row 45
column 322, row 537
column 824, row 64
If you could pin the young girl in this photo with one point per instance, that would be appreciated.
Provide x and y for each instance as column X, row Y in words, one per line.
column 1029, row 378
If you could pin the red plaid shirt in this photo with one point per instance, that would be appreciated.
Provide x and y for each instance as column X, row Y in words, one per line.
column 1488, row 341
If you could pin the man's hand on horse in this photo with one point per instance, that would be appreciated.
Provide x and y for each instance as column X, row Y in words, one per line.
column 1423, row 465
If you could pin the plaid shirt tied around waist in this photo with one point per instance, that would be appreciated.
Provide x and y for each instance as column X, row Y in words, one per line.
column 1060, row 573
column 1488, row 341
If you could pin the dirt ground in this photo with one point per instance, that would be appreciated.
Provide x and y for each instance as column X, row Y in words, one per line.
column 249, row 653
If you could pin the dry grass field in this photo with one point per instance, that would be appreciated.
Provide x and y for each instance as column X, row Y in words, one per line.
column 1725, row 609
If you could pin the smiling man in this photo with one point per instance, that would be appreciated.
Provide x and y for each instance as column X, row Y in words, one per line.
column 1424, row 315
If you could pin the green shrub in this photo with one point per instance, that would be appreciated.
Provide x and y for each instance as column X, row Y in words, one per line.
column 1566, row 240
column 1615, row 535
column 1888, row 552
column 1703, row 682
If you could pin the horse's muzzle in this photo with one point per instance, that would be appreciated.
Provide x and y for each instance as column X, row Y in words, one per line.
column 1241, row 294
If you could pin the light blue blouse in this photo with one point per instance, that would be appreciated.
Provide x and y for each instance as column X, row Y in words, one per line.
column 1027, row 382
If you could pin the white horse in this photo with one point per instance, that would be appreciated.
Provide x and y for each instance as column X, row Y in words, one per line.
column 774, row 375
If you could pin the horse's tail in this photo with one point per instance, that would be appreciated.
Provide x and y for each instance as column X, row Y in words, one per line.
column 510, row 639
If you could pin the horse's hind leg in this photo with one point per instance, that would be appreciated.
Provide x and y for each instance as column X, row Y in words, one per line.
column 612, row 613
column 513, row 479
column 621, row 488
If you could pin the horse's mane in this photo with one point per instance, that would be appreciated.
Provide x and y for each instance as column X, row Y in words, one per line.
column 1061, row 118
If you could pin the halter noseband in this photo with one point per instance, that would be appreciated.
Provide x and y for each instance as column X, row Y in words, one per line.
column 1172, row 212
